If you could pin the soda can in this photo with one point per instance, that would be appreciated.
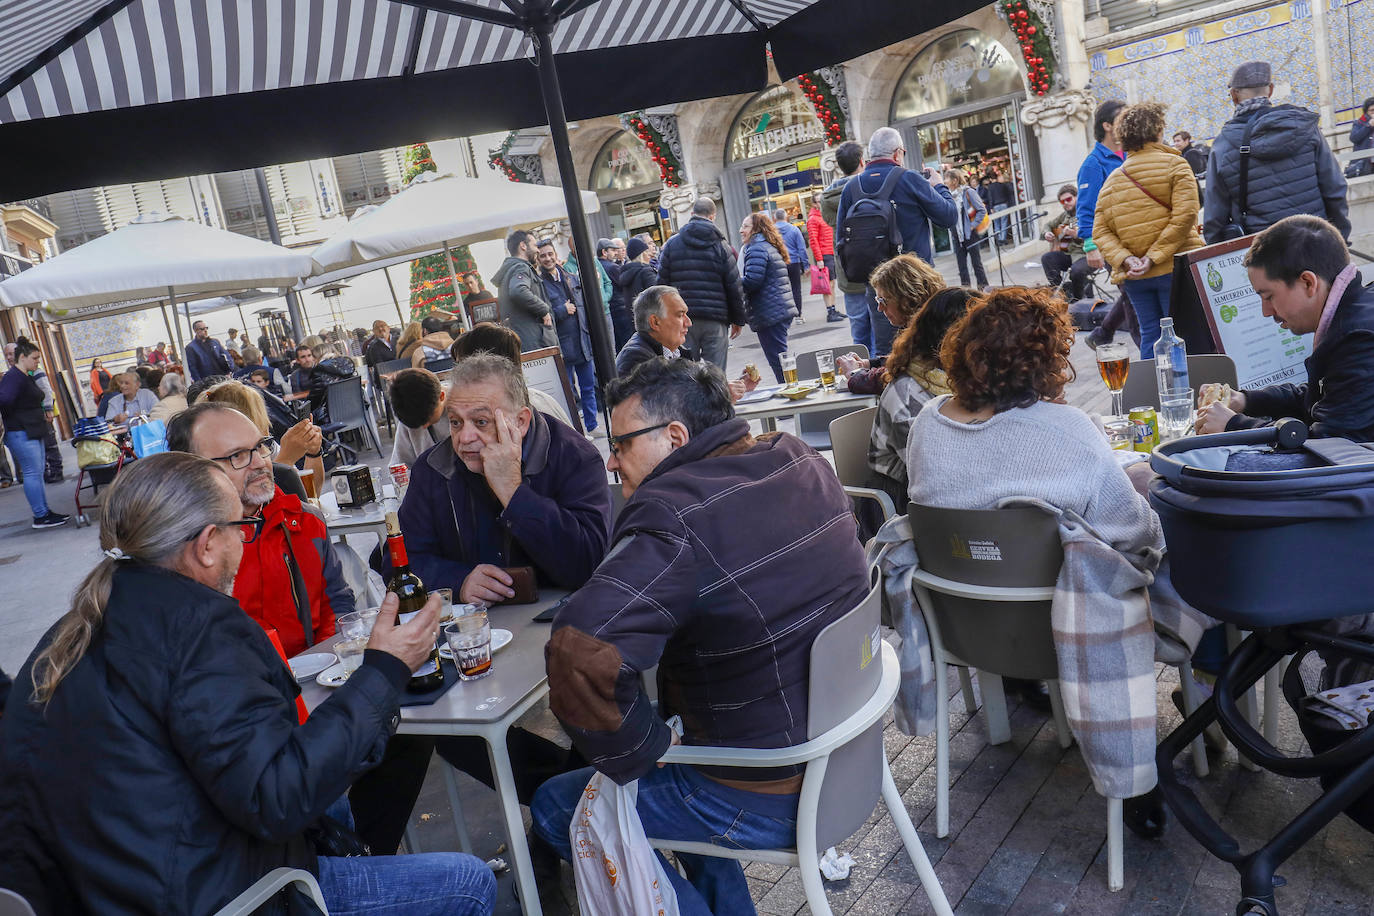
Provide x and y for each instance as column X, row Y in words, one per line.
column 400, row 475
column 1144, row 428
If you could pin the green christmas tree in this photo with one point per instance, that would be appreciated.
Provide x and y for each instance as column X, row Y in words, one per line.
column 431, row 287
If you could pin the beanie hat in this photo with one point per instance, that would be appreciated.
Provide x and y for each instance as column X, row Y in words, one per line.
column 635, row 248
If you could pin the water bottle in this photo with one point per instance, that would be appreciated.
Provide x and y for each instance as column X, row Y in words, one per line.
column 1171, row 360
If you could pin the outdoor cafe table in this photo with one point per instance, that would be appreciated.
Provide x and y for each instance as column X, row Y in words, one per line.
column 767, row 411
column 487, row 708
column 370, row 517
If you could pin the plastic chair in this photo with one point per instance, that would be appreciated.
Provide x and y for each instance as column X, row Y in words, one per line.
column 347, row 410
column 846, row 767
column 392, row 365
column 439, row 365
column 849, row 437
column 814, row 428
column 268, row 886
column 1141, row 389
column 1005, row 590
column 11, row 904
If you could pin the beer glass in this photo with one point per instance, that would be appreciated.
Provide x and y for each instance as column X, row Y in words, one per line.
column 1114, row 362
column 789, row 368
column 825, row 363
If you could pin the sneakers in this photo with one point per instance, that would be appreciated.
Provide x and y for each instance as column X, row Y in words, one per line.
column 833, row 315
column 1097, row 337
column 51, row 520
column 800, row 319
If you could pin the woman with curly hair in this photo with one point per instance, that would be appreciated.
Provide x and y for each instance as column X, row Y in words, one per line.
column 767, row 289
column 1147, row 212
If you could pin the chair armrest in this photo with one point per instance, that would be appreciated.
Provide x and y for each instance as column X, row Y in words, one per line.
column 882, row 499
column 268, row 885
column 863, row 718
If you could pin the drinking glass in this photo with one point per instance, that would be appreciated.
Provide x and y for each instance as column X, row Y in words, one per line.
column 789, row 368
column 350, row 652
column 1114, row 362
column 1175, row 413
column 470, row 639
column 825, row 363
column 356, row 623
column 1120, row 434
column 446, row 609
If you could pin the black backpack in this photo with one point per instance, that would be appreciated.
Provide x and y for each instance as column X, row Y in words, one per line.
column 870, row 234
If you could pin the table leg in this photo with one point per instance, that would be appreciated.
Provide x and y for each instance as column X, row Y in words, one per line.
column 521, row 866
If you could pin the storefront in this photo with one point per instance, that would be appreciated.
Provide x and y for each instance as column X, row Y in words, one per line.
column 773, row 156
column 958, row 104
column 626, row 179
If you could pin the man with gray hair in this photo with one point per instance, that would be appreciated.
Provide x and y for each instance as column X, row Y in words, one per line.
column 698, row 264
column 917, row 201
column 661, row 326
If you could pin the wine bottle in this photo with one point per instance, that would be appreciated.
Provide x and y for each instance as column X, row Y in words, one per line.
column 407, row 586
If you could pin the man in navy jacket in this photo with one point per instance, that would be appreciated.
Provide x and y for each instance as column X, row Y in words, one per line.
column 205, row 356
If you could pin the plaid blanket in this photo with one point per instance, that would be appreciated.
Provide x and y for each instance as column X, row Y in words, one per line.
column 894, row 553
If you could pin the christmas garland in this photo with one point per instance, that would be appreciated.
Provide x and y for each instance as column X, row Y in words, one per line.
column 669, row 167
column 1036, row 49
column 826, row 106
column 431, row 287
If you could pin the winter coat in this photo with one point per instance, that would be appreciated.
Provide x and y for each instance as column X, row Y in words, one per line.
column 830, row 206
column 378, row 351
column 794, row 241
column 603, row 279
column 919, row 204
column 1362, row 134
column 698, row 264
column 1099, row 163
column 997, row 193
column 1196, row 157
column 820, row 236
column 1292, row 170
column 1128, row 222
column 722, row 578
column 437, row 342
column 523, row 306
column 641, row 348
column 574, row 339
column 21, row 404
column 169, row 771
column 205, row 358
column 635, row 277
column 558, row 521
column 767, row 288
column 168, row 407
column 615, row 298
column 293, row 556
column 100, row 381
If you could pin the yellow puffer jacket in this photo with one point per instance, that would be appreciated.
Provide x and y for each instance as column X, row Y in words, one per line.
column 1129, row 224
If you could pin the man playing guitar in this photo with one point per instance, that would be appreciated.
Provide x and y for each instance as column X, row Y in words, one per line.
column 1066, row 248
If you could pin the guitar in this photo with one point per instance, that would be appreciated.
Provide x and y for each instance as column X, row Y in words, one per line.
column 1064, row 236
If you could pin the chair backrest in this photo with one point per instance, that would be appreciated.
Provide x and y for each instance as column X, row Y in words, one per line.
column 439, row 365
column 11, row 904
column 806, row 362
column 392, row 365
column 1001, row 548
column 849, row 438
column 344, row 401
column 1142, row 390
column 845, row 669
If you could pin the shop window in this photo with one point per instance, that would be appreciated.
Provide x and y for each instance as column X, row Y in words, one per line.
column 623, row 164
column 957, row 69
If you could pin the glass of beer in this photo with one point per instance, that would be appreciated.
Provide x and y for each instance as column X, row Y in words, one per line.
column 825, row 364
column 789, row 368
column 470, row 639
column 1114, row 362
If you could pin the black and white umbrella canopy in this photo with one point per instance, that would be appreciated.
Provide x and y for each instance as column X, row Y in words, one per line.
column 103, row 91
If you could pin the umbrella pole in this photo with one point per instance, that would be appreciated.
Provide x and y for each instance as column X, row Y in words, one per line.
column 603, row 348
column 457, row 295
column 293, row 302
column 173, row 336
column 244, row 322
column 400, row 316
column 181, row 343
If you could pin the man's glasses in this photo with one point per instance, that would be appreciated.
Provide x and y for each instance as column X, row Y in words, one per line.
column 614, row 441
column 266, row 449
column 248, row 528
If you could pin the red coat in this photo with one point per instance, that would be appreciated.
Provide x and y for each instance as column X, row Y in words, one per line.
column 820, row 235
column 264, row 585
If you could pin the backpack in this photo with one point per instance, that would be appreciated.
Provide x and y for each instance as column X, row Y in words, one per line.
column 870, row 234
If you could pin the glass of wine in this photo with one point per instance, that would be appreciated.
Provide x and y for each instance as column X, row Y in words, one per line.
column 1114, row 362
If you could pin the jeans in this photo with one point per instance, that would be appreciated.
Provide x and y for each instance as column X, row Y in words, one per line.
column 678, row 803
column 970, row 250
column 773, row 339
column 582, row 377
column 860, row 326
column 1002, row 226
column 883, row 331
column 1150, row 299
column 28, row 454
column 794, row 274
column 710, row 341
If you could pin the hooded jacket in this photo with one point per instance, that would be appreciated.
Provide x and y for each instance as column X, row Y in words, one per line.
column 699, row 265
column 523, row 305
column 438, row 340
column 1292, row 170
column 635, row 277
column 1131, row 222
column 830, row 205
column 766, row 284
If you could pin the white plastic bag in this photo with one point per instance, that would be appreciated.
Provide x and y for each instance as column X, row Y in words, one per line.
column 616, row 870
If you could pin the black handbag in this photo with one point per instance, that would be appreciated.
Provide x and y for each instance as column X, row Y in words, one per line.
column 331, row 837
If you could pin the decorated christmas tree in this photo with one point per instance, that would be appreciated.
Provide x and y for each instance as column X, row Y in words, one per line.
column 431, row 287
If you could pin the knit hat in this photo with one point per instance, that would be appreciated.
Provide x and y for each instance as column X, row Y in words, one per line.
column 1251, row 75
column 634, row 248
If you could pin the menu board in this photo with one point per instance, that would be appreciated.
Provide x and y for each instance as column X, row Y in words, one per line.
column 1264, row 353
column 544, row 369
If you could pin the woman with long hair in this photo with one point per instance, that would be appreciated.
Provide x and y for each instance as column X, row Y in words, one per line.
column 409, row 340
column 26, row 426
column 767, row 289
column 966, row 239
column 100, row 379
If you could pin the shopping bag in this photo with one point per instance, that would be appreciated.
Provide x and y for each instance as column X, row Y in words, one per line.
column 149, row 437
column 616, row 870
column 820, row 281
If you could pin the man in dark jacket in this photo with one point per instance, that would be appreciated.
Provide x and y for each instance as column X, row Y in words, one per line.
column 378, row 347
column 797, row 256
column 698, row 264
column 1195, row 154
column 524, row 308
column 722, row 578
column 564, row 292
column 661, row 329
column 1291, row 169
column 311, row 381
column 921, row 200
column 204, row 355
column 622, row 323
column 1301, row 270
column 849, row 158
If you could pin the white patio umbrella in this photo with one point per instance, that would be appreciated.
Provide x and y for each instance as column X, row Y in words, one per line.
column 436, row 213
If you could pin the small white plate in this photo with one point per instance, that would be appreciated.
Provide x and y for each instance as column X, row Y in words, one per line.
column 499, row 640
column 305, row 667
column 333, row 676
column 757, row 395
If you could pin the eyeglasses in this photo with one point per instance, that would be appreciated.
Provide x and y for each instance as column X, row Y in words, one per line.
column 248, row 528
column 266, row 449
column 614, row 441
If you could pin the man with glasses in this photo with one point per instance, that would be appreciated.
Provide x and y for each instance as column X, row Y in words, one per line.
column 1066, row 248
column 205, row 356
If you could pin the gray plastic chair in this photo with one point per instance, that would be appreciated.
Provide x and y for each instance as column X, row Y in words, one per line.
column 11, row 904
column 854, row 678
column 1004, row 589
column 814, row 428
column 1142, row 390
column 268, row 886
column 849, row 437
column 347, row 410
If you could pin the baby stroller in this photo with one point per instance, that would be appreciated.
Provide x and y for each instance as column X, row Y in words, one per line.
column 1237, row 507
column 99, row 457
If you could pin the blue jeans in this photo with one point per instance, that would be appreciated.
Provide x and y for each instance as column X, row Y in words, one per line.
column 1150, row 299
column 28, row 454
column 710, row 341
column 860, row 327
column 582, row 377
column 773, row 340
column 883, row 331
column 678, row 803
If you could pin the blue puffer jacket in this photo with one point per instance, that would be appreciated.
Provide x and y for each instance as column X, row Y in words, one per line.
column 697, row 263
column 767, row 289
column 1292, row 170
column 794, row 240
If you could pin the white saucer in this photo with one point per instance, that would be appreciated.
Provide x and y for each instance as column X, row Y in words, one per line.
column 304, row 667
column 333, row 676
column 758, row 394
column 499, row 640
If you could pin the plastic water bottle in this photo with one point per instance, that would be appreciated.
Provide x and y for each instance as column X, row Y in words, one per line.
column 1171, row 360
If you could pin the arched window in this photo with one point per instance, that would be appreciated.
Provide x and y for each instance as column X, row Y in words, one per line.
column 623, row 164
column 956, row 69
column 775, row 119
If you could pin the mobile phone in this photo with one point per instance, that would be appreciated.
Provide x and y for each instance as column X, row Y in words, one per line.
column 547, row 615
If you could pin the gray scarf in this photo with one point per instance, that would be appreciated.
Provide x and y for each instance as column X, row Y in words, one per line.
column 1249, row 105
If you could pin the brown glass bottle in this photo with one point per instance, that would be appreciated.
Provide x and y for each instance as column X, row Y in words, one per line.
column 408, row 587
